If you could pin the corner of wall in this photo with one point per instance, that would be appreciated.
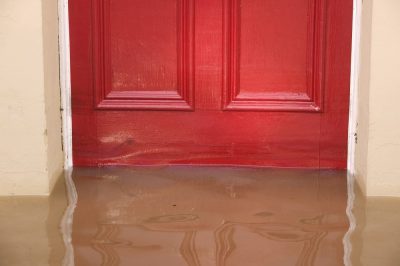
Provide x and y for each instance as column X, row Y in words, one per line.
column 31, row 156
column 378, row 147
column 52, row 91
column 363, row 87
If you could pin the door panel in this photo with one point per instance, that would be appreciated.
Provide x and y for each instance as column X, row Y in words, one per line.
column 142, row 55
column 274, row 54
column 229, row 82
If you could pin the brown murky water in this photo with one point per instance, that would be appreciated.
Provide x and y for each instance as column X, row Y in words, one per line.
column 200, row 216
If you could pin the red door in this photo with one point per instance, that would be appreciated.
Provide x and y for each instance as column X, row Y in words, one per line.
column 233, row 82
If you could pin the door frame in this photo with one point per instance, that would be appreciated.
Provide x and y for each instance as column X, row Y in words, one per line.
column 65, row 83
column 354, row 85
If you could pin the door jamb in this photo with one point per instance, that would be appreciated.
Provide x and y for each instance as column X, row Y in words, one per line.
column 354, row 85
column 65, row 83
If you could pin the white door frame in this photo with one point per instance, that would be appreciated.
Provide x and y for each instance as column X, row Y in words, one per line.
column 354, row 83
column 65, row 82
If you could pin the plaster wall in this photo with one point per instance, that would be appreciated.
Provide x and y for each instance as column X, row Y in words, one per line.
column 378, row 147
column 30, row 129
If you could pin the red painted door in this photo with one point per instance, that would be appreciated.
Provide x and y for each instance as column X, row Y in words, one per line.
column 233, row 82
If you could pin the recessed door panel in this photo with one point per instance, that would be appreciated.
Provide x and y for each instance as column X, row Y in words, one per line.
column 143, row 55
column 274, row 55
column 272, row 46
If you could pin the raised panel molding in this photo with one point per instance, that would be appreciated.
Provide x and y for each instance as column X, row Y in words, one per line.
column 105, row 98
column 311, row 101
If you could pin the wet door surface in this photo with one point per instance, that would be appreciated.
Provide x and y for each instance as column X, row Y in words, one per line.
column 226, row 82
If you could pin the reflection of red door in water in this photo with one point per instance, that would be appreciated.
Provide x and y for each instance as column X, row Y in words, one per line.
column 246, row 82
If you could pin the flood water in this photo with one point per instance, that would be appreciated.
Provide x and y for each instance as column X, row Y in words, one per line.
column 200, row 216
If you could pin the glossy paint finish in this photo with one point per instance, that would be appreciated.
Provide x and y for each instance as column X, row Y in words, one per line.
column 210, row 82
column 201, row 216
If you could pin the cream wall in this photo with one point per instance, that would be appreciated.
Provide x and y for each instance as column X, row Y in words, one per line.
column 30, row 129
column 378, row 147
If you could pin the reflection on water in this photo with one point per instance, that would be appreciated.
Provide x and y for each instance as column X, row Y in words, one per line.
column 376, row 238
column 209, row 216
column 29, row 229
column 199, row 216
